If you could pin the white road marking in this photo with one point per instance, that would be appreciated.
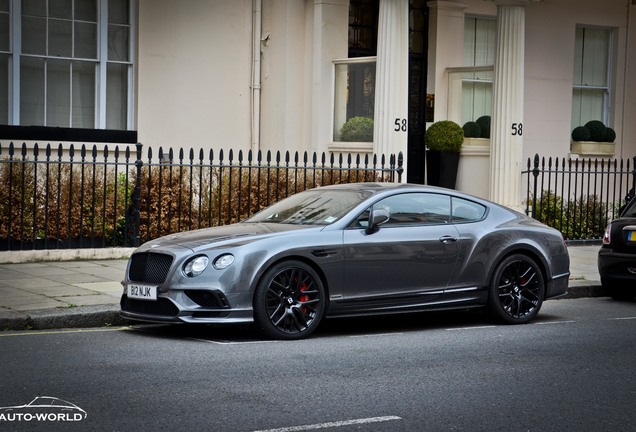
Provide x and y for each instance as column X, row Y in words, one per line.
column 376, row 334
column 48, row 332
column 624, row 318
column 333, row 424
column 470, row 328
column 554, row 322
column 220, row 342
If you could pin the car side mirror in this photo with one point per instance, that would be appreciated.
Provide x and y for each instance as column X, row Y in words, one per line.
column 376, row 218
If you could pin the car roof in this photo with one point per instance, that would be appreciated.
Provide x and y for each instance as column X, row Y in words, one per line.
column 375, row 187
column 378, row 188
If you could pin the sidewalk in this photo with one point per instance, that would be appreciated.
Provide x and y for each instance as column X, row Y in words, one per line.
column 59, row 294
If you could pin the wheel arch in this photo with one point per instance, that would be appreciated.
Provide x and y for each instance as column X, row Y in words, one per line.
column 522, row 249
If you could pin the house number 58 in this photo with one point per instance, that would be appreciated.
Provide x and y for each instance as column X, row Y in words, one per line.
column 517, row 129
column 400, row 125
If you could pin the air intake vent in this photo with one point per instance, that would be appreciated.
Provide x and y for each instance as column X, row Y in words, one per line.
column 208, row 299
column 160, row 308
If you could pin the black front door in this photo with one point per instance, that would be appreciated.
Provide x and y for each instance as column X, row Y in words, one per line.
column 418, row 103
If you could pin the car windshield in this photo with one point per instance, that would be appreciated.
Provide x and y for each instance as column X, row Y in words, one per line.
column 313, row 207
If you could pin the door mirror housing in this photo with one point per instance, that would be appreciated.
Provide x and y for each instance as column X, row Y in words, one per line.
column 377, row 218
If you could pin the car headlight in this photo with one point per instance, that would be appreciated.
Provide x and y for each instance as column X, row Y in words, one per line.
column 223, row 261
column 195, row 266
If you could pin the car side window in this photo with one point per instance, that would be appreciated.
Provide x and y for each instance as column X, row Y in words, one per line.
column 362, row 221
column 416, row 209
column 466, row 211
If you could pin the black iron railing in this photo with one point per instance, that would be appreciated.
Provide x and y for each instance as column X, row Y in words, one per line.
column 578, row 197
column 88, row 198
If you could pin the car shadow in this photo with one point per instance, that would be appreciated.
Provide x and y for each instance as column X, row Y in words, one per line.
column 400, row 323
column 200, row 332
column 330, row 327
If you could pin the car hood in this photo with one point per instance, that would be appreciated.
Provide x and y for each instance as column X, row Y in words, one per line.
column 238, row 232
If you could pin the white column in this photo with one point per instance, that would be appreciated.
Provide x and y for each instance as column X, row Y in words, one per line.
column 328, row 41
column 392, row 78
column 507, row 119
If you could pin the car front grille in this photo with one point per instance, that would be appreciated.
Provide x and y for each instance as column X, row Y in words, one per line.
column 208, row 299
column 149, row 267
column 160, row 308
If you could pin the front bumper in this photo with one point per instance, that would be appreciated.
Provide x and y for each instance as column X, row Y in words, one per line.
column 168, row 310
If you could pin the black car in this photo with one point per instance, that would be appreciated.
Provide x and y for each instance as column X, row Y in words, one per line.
column 617, row 256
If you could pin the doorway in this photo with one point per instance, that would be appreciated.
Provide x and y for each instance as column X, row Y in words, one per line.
column 363, row 37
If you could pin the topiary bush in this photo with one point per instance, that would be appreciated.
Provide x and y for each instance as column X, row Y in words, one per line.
column 484, row 124
column 594, row 130
column 597, row 130
column 472, row 130
column 581, row 133
column 445, row 135
column 357, row 129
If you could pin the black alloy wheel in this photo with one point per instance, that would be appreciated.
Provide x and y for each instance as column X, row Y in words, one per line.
column 517, row 290
column 289, row 301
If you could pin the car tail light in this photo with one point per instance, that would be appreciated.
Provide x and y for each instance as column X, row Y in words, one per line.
column 607, row 237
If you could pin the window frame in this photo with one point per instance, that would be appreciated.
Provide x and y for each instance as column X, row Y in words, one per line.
column 607, row 89
column 340, row 98
column 478, row 68
column 101, row 64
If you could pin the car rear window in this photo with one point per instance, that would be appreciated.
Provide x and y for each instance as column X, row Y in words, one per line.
column 630, row 210
column 466, row 211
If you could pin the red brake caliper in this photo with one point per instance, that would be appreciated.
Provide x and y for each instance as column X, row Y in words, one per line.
column 304, row 298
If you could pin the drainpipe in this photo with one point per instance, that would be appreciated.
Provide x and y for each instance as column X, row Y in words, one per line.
column 256, row 75
column 630, row 6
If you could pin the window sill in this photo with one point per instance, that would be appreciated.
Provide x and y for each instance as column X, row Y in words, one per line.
column 57, row 134
column 351, row 147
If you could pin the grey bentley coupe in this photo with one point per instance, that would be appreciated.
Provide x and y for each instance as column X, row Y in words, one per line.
column 349, row 250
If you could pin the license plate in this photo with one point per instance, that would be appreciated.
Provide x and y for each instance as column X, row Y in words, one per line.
column 631, row 236
column 142, row 292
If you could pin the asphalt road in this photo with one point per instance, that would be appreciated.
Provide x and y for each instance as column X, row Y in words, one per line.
column 572, row 370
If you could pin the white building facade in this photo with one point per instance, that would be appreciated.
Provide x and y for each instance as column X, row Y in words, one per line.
column 287, row 74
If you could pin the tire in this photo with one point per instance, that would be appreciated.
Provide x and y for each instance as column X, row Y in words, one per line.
column 517, row 290
column 289, row 301
column 618, row 291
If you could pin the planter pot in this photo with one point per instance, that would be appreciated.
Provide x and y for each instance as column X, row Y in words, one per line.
column 441, row 168
column 593, row 148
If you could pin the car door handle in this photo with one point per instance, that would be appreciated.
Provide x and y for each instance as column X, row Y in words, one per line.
column 447, row 239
